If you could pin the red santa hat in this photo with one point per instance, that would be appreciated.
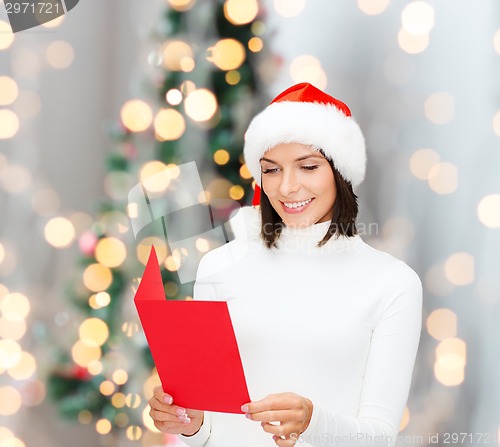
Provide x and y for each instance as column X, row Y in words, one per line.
column 305, row 114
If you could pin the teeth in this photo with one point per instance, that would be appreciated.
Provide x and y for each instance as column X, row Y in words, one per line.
column 297, row 204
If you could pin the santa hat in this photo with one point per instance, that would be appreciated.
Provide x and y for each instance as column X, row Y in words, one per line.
column 305, row 114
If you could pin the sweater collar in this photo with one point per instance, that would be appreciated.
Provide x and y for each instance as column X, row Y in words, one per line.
column 305, row 239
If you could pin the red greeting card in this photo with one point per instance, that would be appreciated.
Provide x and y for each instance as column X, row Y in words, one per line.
column 193, row 346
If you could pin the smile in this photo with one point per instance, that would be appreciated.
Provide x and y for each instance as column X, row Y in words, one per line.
column 296, row 204
column 296, row 207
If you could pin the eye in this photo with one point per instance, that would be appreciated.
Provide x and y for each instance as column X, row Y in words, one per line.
column 269, row 170
column 310, row 168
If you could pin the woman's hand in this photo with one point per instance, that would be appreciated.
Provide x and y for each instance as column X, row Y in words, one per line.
column 173, row 419
column 291, row 410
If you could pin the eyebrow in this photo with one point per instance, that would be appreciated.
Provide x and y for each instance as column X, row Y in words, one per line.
column 298, row 159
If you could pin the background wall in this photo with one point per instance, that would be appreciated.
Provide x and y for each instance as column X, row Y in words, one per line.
column 423, row 85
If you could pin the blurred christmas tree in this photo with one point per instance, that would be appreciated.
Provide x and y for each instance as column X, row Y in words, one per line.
column 200, row 101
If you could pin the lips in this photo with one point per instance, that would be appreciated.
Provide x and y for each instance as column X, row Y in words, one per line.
column 297, row 209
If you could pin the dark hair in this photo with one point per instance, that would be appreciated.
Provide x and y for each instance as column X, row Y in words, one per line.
column 345, row 211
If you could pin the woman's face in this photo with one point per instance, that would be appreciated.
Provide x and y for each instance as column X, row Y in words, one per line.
column 299, row 183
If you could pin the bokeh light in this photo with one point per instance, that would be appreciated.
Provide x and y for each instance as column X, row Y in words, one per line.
column 488, row 211
column 169, row 124
column 97, row 277
column 33, row 393
column 450, row 361
column 411, row 43
column 107, row 388
column 496, row 44
column 255, row 44
column 59, row 232
column 130, row 328
column 14, row 330
column 93, row 332
column 60, row 54
column 134, row 432
column 442, row 323
column 110, row 252
column 14, row 306
column 6, row 35
column 496, row 123
column 307, row 68
column 54, row 23
column 443, row 178
column 173, row 263
column 233, row 77
column 201, row 105
column 289, row 8
column 176, row 55
column 440, row 108
column 103, row 426
column 221, row 156
column 84, row 355
column 10, row 401
column 236, row 192
column 373, row 7
column 8, row 90
column 227, row 54
column 245, row 172
column 155, row 176
column 418, row 18
column 147, row 420
column 24, row 368
column 144, row 249
column 422, row 161
column 181, row 5
column 133, row 400
column 85, row 417
column 240, row 12
column 10, row 353
column 10, row 122
column 120, row 377
column 174, row 97
column 136, row 115
column 459, row 269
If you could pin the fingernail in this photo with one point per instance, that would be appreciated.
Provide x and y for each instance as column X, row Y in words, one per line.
column 168, row 399
column 181, row 411
column 248, row 416
column 244, row 408
column 186, row 421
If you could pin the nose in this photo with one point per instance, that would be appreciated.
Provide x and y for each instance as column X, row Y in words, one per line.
column 289, row 183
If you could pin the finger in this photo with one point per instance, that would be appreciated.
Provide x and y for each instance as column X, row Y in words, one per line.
column 279, row 429
column 288, row 442
column 170, row 427
column 273, row 415
column 159, row 394
column 280, row 401
column 178, row 416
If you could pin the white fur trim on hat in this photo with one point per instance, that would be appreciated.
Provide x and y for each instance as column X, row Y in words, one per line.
column 317, row 124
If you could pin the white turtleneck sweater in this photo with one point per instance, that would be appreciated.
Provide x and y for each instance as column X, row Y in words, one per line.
column 339, row 325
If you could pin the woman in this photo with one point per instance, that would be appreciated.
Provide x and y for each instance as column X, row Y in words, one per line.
column 327, row 326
